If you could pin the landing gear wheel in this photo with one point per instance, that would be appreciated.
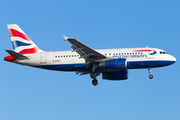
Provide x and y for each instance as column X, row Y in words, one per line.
column 150, row 76
column 95, row 82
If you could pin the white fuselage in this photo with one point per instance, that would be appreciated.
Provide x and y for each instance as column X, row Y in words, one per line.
column 69, row 57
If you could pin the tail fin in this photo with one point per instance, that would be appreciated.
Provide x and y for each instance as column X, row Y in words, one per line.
column 21, row 42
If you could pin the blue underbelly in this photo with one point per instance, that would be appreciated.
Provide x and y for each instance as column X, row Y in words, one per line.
column 82, row 67
column 147, row 64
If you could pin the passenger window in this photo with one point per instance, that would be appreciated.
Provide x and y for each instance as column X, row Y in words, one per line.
column 74, row 55
column 69, row 55
column 109, row 54
column 161, row 52
column 124, row 53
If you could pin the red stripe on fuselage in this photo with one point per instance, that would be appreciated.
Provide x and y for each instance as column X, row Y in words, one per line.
column 144, row 50
column 15, row 33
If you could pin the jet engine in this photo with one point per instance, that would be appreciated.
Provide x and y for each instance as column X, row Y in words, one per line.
column 114, row 64
column 118, row 75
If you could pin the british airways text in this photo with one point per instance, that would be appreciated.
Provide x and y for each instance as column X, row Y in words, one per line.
column 131, row 56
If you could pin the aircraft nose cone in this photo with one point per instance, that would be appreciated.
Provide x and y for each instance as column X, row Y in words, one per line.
column 173, row 59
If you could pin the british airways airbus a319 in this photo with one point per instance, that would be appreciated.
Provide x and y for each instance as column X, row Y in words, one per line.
column 112, row 63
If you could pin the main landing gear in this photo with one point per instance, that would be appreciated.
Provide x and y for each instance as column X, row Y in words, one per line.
column 150, row 75
column 95, row 82
column 93, row 76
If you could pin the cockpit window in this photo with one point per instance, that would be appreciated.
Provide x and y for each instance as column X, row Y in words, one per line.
column 163, row 52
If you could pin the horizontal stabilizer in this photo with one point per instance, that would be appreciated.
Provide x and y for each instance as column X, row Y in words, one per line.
column 16, row 55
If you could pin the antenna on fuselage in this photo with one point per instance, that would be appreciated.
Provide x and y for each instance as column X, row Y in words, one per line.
column 146, row 46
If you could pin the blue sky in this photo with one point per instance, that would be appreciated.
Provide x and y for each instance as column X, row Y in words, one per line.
column 29, row 93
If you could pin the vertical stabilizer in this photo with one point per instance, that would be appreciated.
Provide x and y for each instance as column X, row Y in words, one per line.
column 21, row 42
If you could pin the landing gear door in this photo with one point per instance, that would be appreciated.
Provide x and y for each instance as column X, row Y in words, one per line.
column 43, row 58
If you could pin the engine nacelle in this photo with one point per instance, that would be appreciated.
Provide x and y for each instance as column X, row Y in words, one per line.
column 118, row 75
column 114, row 64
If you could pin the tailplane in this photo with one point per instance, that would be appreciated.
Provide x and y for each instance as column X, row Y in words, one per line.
column 22, row 44
column 16, row 55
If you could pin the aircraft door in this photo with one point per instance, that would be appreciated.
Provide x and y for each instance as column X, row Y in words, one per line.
column 43, row 58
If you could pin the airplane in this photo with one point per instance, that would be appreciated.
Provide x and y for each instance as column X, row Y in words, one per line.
column 113, row 64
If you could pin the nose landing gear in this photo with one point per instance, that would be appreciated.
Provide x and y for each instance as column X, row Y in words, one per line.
column 150, row 75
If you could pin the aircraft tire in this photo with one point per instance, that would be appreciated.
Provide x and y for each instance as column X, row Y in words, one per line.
column 95, row 82
column 150, row 76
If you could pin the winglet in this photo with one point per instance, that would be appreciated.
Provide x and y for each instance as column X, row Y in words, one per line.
column 65, row 38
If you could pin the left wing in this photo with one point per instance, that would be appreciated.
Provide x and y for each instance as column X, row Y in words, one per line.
column 84, row 51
